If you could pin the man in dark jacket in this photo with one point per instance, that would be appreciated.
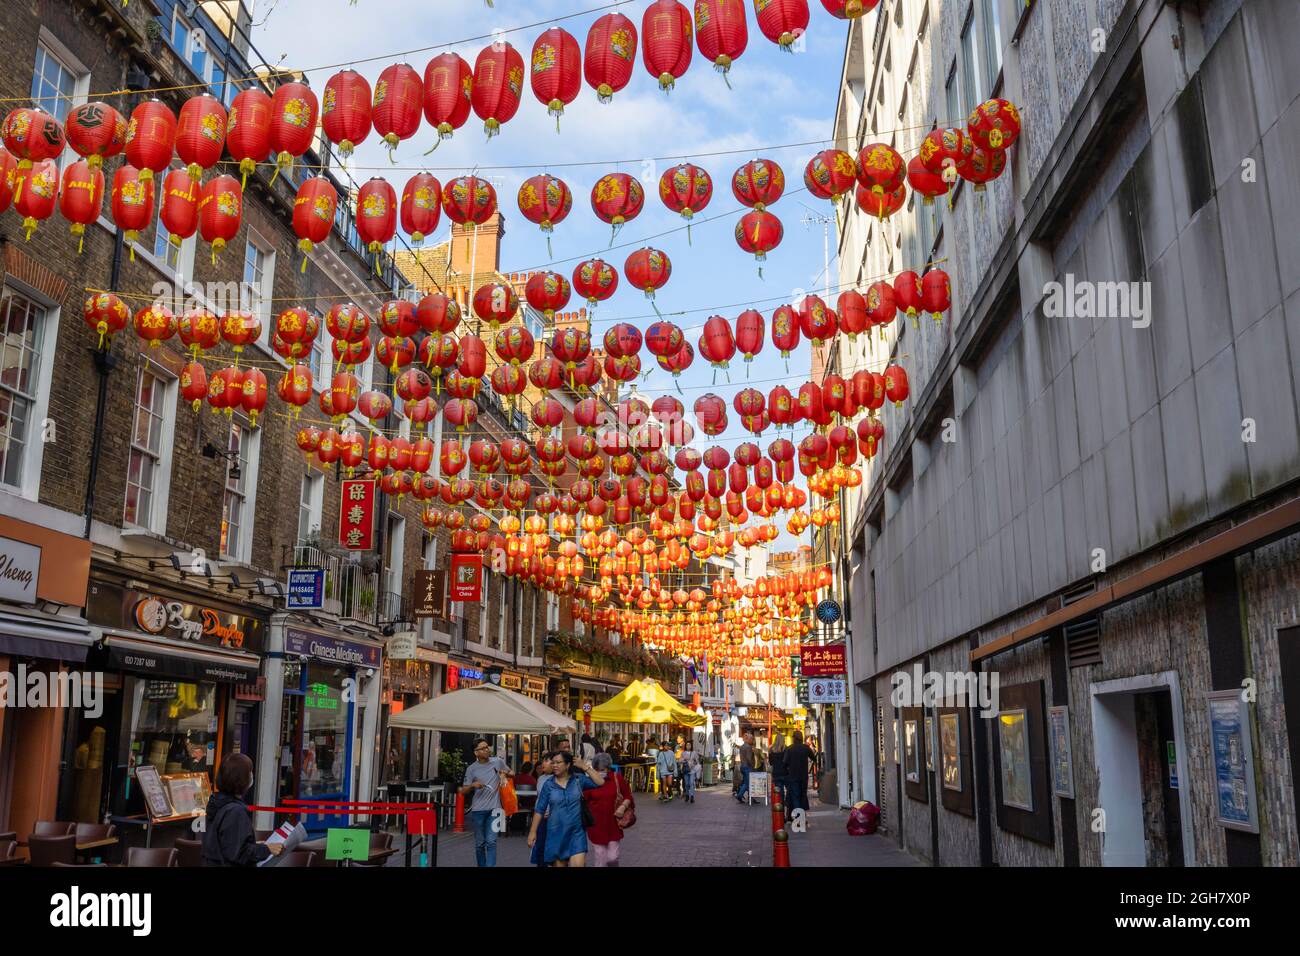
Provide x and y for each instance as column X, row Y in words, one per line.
column 798, row 759
column 228, row 838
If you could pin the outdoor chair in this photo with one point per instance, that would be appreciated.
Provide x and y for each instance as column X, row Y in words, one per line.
column 48, row 850
column 138, row 856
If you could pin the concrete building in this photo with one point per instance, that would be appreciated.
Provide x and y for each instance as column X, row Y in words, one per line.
column 1094, row 500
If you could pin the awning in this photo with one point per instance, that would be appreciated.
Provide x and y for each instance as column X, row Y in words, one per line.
column 36, row 634
column 645, row 702
column 485, row 709
column 600, row 686
column 168, row 659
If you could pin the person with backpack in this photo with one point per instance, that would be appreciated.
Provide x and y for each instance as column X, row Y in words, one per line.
column 228, row 838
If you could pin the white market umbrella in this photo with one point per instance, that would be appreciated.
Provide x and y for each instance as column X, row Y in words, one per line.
column 485, row 709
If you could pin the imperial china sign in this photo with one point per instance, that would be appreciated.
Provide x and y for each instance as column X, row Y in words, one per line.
column 20, row 568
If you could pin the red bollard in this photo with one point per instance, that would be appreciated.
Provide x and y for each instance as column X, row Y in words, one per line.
column 458, row 826
column 778, row 815
column 780, row 849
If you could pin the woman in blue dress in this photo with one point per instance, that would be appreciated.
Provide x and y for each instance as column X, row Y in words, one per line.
column 566, row 839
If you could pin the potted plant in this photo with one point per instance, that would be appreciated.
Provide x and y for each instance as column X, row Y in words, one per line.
column 451, row 767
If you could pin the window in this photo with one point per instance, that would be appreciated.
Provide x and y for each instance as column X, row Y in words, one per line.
column 54, row 82
column 21, row 361
column 149, row 460
column 168, row 256
column 970, row 89
column 191, row 44
column 501, row 616
column 259, row 269
column 241, row 488
column 393, row 565
column 991, row 28
column 952, row 98
column 533, row 323
column 317, row 358
column 309, row 507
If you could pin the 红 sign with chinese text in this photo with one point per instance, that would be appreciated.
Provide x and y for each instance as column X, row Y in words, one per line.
column 467, row 577
column 822, row 661
column 357, row 515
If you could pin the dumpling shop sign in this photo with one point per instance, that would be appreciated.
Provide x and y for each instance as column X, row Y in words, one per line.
column 20, row 568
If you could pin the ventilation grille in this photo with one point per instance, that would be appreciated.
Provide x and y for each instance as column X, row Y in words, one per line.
column 1078, row 593
column 1083, row 643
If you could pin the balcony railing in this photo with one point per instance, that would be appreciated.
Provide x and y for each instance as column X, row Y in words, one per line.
column 351, row 592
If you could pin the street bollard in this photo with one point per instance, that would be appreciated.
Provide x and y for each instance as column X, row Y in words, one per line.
column 780, row 849
column 778, row 815
column 458, row 825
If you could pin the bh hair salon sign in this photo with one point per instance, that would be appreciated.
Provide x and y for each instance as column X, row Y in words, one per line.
column 20, row 568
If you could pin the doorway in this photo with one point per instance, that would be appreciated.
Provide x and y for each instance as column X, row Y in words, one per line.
column 1141, row 767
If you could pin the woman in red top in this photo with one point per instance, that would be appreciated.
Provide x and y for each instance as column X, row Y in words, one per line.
column 607, row 803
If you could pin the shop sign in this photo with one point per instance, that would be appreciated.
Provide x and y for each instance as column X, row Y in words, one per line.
column 335, row 649
column 357, row 514
column 402, row 646
column 456, row 677
column 20, row 569
column 117, row 607
column 827, row 690
column 252, row 691
column 430, row 595
column 305, row 589
column 467, row 577
column 818, row 660
column 535, row 685
column 511, row 681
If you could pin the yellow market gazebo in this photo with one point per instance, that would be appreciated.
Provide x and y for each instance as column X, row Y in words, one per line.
column 645, row 702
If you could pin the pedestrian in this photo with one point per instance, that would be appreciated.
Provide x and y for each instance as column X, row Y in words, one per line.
column 566, row 838
column 776, row 758
column 483, row 780
column 798, row 761
column 746, row 759
column 665, row 768
column 544, row 773
column 608, row 804
column 615, row 748
column 525, row 778
column 228, row 838
column 589, row 748
column 690, row 767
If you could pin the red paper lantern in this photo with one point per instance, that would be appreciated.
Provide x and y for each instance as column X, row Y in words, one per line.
column 547, row 292
column 830, row 174
column 994, row 124
column 248, row 130
column 8, row 178
column 180, row 205
column 664, row 339
column 399, row 100
column 610, row 55
column 936, row 293
column 294, row 387
column 221, row 208
column 679, row 361
column 896, row 388
column 194, row 384
column 881, row 307
column 880, row 168
column 717, row 344
column 461, row 412
column 313, row 214
column 595, row 280
column 395, row 352
column 239, row 329
column 907, row 292
column 296, row 328
column 514, row 345
column 448, row 91
column 852, row 311
column 413, row 385
column 293, row 123
column 347, row 322
column 473, row 357
column 376, row 214
column 758, row 232
column 758, row 183
column 749, row 333
column 881, row 205
column 816, row 321
column 928, row 184
column 155, row 324
column 666, row 36
column 469, row 200
column 720, row 31
column 557, row 71
column 785, row 332
column 546, row 373
column 982, row 166
column 201, row 133
column 421, row 206
column 107, row 314
column 397, row 318
column 849, row 9
column 226, row 389
column 940, row 151
column 437, row 312
column 544, row 200
column 495, row 303
column 81, row 198
column 547, row 413
column 617, row 198
column 346, row 110
column 32, row 135
column 648, row 270
column 150, row 137
column 782, row 21
column 253, row 394
column 97, row 132
column 498, row 85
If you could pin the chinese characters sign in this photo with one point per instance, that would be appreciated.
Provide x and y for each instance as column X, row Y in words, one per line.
column 357, row 515
column 430, row 592
column 822, row 661
column 467, row 577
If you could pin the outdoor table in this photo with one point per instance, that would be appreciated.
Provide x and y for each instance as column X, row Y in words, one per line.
column 318, row 846
column 96, row 844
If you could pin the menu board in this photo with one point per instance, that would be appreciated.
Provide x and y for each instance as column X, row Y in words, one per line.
column 155, row 795
column 189, row 792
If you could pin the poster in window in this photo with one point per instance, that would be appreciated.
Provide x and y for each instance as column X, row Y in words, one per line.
column 930, row 744
column 911, row 751
column 1234, row 771
column 950, row 750
column 1058, row 723
column 188, row 792
column 1013, row 748
column 897, row 734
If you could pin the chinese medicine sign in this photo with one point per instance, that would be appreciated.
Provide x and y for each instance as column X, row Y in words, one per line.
column 822, row 661
column 357, row 515
column 467, row 577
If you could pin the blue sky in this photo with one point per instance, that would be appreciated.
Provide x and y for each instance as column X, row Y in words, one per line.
column 774, row 98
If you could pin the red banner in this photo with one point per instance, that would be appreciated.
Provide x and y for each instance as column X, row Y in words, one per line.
column 467, row 577
column 357, row 515
column 816, row 660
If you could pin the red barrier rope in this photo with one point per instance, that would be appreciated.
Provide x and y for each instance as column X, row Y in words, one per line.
column 333, row 809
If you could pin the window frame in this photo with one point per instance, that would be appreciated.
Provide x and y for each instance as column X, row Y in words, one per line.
column 265, row 282
column 311, row 504
column 251, row 441
column 54, row 49
column 159, row 494
column 34, row 452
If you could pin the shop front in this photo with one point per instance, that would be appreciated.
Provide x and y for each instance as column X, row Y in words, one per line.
column 412, row 675
column 43, row 650
column 181, row 677
column 329, row 694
